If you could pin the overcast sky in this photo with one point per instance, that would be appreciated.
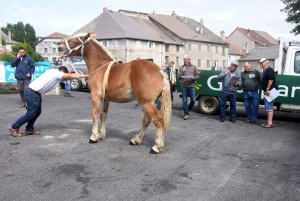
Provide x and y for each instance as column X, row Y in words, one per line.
column 67, row 16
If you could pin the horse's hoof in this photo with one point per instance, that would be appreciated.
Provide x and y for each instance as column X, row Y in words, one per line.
column 153, row 152
column 92, row 141
column 130, row 143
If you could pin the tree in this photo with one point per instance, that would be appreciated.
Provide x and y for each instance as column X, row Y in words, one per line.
column 21, row 33
column 292, row 9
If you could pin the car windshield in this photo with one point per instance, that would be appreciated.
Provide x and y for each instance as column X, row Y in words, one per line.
column 77, row 59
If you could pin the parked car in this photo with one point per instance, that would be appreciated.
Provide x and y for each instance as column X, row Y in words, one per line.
column 79, row 67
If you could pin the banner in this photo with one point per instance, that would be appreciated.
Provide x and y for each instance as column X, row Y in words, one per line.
column 7, row 73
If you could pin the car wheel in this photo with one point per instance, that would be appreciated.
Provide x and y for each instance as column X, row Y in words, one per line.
column 76, row 84
column 208, row 105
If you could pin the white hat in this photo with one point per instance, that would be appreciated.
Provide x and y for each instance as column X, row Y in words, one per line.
column 186, row 56
column 235, row 63
column 263, row 60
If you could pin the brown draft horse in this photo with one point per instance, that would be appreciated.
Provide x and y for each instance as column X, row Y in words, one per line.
column 139, row 80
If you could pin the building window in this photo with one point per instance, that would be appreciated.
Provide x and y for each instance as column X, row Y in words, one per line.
column 189, row 47
column 223, row 51
column 177, row 60
column 177, row 48
column 115, row 43
column 224, row 63
column 54, row 50
column 45, row 50
column 105, row 43
column 138, row 44
column 166, row 48
column 216, row 63
column 208, row 63
column 45, row 58
column 199, row 48
column 166, row 59
column 53, row 59
column 208, row 48
column 151, row 45
column 216, row 50
column 199, row 63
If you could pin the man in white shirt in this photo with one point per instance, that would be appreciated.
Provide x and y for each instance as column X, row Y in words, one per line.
column 45, row 83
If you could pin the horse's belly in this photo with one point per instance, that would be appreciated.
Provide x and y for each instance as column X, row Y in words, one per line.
column 121, row 97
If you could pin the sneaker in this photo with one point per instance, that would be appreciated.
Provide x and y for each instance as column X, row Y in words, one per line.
column 232, row 120
column 248, row 121
column 15, row 132
column 35, row 132
column 222, row 120
column 22, row 105
column 65, row 92
column 186, row 117
column 253, row 122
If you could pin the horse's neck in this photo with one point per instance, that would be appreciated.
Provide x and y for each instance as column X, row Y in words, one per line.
column 95, row 56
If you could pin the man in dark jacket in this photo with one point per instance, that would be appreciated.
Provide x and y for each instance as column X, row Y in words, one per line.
column 251, row 80
column 24, row 69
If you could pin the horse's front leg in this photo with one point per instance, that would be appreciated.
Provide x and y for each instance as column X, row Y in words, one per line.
column 96, row 107
column 103, row 116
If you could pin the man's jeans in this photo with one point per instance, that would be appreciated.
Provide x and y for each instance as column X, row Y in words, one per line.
column 68, row 86
column 232, row 99
column 34, row 109
column 251, row 101
column 188, row 92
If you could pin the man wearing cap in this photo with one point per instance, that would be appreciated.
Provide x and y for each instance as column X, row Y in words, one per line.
column 268, row 82
column 68, row 64
column 251, row 81
column 229, row 90
column 187, row 74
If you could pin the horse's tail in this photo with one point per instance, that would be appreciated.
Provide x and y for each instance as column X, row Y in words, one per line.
column 166, row 102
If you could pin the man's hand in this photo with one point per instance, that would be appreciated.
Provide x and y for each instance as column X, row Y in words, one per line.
column 28, row 75
column 184, row 69
column 267, row 92
column 227, row 72
column 236, row 83
column 18, row 55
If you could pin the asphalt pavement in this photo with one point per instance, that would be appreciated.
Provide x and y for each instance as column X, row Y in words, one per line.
column 203, row 158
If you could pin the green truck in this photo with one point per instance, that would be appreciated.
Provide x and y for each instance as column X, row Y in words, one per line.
column 208, row 87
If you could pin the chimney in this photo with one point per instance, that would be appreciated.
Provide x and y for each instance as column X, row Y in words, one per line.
column 105, row 9
column 184, row 20
column 248, row 32
column 222, row 35
column 40, row 39
column 9, row 35
column 154, row 13
column 173, row 14
column 246, row 48
column 201, row 25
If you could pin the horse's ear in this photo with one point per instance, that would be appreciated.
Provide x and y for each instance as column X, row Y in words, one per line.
column 93, row 35
column 87, row 36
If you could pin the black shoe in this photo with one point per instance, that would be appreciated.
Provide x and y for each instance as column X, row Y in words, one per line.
column 232, row 120
column 253, row 122
column 65, row 92
column 248, row 121
column 222, row 120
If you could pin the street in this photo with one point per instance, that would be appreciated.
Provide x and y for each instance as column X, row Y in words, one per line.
column 203, row 158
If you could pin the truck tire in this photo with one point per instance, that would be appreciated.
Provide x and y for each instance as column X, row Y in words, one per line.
column 208, row 105
column 76, row 84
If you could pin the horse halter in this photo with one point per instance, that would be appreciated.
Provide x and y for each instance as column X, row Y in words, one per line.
column 78, row 47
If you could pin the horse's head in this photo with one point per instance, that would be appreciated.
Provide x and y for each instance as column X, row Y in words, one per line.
column 73, row 46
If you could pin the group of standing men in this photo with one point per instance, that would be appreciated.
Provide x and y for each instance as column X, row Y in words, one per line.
column 250, row 80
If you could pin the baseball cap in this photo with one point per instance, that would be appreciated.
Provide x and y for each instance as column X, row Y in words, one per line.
column 235, row 63
column 263, row 60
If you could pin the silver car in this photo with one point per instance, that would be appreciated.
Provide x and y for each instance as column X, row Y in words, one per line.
column 79, row 67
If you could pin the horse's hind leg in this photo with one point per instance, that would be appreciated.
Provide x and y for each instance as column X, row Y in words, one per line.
column 137, row 139
column 103, row 116
column 155, row 116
